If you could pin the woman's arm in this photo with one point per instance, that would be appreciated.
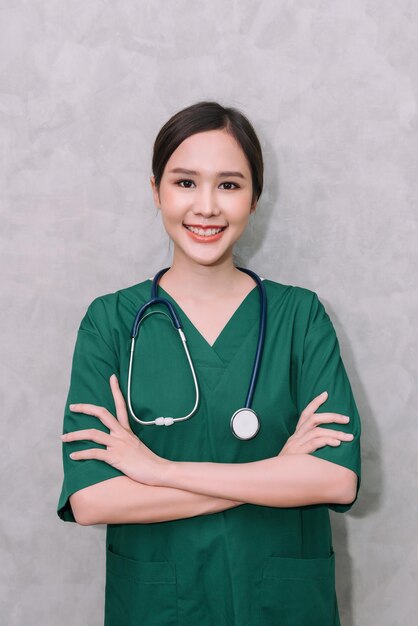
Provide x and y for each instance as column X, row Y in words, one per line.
column 188, row 489
column 290, row 479
column 281, row 481
column 293, row 478
column 121, row 500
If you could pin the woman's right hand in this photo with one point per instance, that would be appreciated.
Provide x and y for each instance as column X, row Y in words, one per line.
column 308, row 436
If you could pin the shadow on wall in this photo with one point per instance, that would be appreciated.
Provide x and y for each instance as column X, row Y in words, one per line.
column 252, row 239
column 371, row 490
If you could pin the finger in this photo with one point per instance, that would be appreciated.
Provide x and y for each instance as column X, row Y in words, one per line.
column 97, row 411
column 315, row 403
column 94, row 453
column 120, row 404
column 320, row 442
column 313, row 406
column 325, row 432
column 92, row 434
column 320, row 437
column 322, row 418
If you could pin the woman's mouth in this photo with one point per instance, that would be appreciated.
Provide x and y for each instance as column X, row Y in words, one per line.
column 205, row 233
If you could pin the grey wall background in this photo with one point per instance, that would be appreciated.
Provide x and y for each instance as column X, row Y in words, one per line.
column 331, row 88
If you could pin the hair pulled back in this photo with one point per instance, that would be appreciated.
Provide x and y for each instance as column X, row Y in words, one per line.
column 204, row 116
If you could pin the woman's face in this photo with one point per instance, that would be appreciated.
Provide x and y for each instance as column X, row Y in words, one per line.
column 206, row 185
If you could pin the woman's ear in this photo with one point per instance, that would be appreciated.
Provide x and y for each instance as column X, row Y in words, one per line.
column 155, row 192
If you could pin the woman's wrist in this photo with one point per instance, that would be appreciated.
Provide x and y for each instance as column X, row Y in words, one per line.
column 170, row 476
column 167, row 474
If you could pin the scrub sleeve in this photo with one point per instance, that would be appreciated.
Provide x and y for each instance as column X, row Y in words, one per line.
column 322, row 369
column 94, row 361
column 247, row 566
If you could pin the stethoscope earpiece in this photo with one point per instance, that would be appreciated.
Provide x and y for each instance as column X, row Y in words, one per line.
column 244, row 422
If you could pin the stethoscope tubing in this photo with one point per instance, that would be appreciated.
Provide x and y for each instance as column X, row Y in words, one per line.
column 261, row 336
column 155, row 299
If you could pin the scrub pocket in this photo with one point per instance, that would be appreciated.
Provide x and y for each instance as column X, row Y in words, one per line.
column 298, row 592
column 139, row 592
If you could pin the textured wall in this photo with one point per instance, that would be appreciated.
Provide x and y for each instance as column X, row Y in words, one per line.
column 331, row 87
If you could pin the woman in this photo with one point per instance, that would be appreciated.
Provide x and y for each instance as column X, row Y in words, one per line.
column 206, row 526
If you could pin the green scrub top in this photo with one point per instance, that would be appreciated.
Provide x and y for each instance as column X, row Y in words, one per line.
column 251, row 565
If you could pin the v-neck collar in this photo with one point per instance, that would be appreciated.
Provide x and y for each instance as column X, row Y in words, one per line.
column 232, row 335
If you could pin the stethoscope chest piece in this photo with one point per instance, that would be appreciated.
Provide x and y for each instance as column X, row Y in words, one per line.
column 245, row 424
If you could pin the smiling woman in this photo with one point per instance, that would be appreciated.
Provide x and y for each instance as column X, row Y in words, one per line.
column 213, row 204
column 184, row 502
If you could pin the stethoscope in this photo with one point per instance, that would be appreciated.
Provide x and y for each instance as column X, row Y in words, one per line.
column 245, row 423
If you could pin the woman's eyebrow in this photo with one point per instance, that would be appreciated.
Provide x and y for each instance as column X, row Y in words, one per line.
column 182, row 170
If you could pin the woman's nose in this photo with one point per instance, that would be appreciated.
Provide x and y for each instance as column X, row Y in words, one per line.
column 206, row 204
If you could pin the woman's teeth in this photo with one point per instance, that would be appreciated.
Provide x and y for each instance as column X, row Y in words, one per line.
column 205, row 232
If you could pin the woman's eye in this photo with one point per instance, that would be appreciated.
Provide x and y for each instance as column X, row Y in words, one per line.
column 234, row 186
column 187, row 183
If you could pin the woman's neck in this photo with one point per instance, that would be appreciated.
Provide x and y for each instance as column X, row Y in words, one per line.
column 205, row 282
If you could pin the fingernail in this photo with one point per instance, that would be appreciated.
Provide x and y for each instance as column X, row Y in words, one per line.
column 71, row 407
column 324, row 393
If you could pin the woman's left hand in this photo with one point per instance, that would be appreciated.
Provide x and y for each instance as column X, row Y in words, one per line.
column 124, row 450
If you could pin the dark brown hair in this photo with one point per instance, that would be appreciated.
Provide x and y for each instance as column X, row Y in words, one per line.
column 201, row 117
